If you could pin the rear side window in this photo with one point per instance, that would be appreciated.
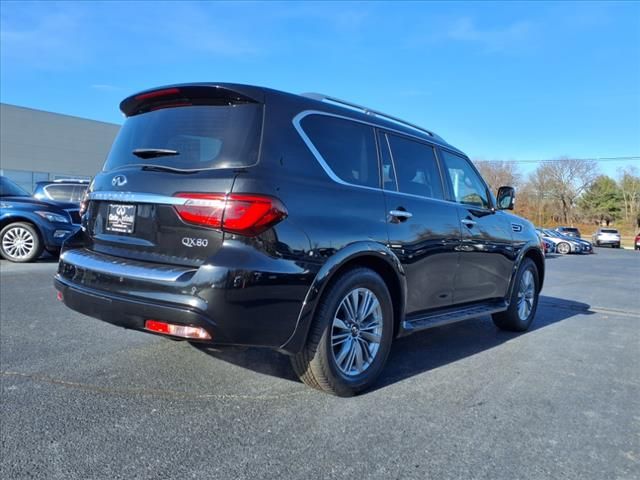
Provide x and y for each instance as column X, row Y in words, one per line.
column 347, row 148
column 201, row 137
column 65, row 193
column 415, row 167
column 468, row 187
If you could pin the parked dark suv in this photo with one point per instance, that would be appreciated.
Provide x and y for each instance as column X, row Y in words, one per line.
column 236, row 215
column 63, row 190
column 29, row 226
column 569, row 231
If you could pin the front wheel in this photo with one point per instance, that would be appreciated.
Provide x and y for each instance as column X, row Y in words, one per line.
column 524, row 300
column 20, row 242
column 564, row 248
column 350, row 337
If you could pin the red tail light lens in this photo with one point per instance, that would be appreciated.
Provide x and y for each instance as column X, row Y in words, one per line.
column 183, row 331
column 234, row 213
column 84, row 203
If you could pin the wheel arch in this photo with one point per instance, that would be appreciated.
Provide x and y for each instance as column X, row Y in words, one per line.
column 372, row 255
column 532, row 252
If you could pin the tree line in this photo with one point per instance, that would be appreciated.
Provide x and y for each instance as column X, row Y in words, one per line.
column 569, row 191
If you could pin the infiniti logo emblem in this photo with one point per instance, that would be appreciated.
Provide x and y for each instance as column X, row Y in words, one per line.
column 121, row 210
column 119, row 181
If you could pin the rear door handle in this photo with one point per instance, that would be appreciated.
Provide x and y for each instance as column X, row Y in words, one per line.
column 403, row 214
column 467, row 223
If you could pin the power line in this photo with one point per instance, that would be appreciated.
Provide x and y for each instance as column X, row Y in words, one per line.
column 555, row 160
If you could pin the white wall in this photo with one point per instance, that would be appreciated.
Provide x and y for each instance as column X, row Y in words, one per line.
column 50, row 143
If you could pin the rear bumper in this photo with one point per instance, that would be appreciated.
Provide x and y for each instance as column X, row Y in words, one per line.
column 236, row 306
column 125, row 312
column 608, row 241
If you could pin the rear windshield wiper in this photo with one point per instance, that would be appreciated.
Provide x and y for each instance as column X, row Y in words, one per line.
column 154, row 152
column 161, row 168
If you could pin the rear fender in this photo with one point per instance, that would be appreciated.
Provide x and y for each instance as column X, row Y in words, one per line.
column 353, row 254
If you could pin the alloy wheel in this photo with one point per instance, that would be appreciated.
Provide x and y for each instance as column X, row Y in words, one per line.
column 526, row 295
column 356, row 332
column 18, row 243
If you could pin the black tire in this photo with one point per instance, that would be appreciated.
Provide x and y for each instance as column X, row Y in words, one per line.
column 511, row 319
column 316, row 364
column 32, row 247
column 563, row 246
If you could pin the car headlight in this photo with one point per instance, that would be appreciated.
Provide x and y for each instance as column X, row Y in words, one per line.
column 54, row 217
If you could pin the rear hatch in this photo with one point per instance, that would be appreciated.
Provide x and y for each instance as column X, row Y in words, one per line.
column 170, row 167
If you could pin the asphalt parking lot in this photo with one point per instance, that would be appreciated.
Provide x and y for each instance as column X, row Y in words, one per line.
column 83, row 399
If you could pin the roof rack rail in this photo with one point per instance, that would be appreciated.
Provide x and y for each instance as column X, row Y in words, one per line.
column 368, row 111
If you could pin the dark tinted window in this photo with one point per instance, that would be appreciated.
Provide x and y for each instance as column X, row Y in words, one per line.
column 608, row 230
column 347, row 147
column 10, row 189
column 203, row 136
column 467, row 186
column 416, row 167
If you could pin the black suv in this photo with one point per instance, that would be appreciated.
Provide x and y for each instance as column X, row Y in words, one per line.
column 237, row 215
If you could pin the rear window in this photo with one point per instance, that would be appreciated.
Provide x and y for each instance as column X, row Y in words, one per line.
column 609, row 231
column 568, row 229
column 65, row 192
column 202, row 136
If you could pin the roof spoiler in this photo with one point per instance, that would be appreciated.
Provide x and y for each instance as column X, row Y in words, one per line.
column 183, row 95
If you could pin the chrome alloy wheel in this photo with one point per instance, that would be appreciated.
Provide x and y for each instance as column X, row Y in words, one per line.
column 18, row 243
column 564, row 248
column 526, row 295
column 356, row 332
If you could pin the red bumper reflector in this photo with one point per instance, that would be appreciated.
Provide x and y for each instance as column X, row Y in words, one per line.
column 59, row 296
column 183, row 331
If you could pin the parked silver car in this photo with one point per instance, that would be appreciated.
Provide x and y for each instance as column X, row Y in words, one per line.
column 606, row 236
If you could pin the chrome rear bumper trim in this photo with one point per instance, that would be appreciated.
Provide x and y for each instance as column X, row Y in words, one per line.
column 118, row 267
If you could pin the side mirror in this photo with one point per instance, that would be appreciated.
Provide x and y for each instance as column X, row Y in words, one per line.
column 506, row 198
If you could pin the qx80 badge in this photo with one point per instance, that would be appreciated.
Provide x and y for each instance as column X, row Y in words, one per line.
column 194, row 242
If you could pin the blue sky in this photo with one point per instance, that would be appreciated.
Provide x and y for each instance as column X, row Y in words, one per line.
column 499, row 80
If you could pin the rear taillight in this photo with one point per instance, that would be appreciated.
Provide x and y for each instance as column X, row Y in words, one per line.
column 84, row 203
column 234, row 213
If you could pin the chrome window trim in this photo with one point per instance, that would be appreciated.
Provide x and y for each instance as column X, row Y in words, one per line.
column 296, row 123
column 325, row 166
column 137, row 197
column 90, row 261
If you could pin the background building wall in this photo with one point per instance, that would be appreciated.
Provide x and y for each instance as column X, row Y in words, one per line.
column 36, row 145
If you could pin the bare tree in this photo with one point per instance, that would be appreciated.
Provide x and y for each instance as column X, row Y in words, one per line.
column 629, row 184
column 563, row 180
column 498, row 173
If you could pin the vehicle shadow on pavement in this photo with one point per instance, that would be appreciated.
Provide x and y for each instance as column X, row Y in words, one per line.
column 420, row 352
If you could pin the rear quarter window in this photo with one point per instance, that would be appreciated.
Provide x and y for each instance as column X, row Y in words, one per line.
column 347, row 148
